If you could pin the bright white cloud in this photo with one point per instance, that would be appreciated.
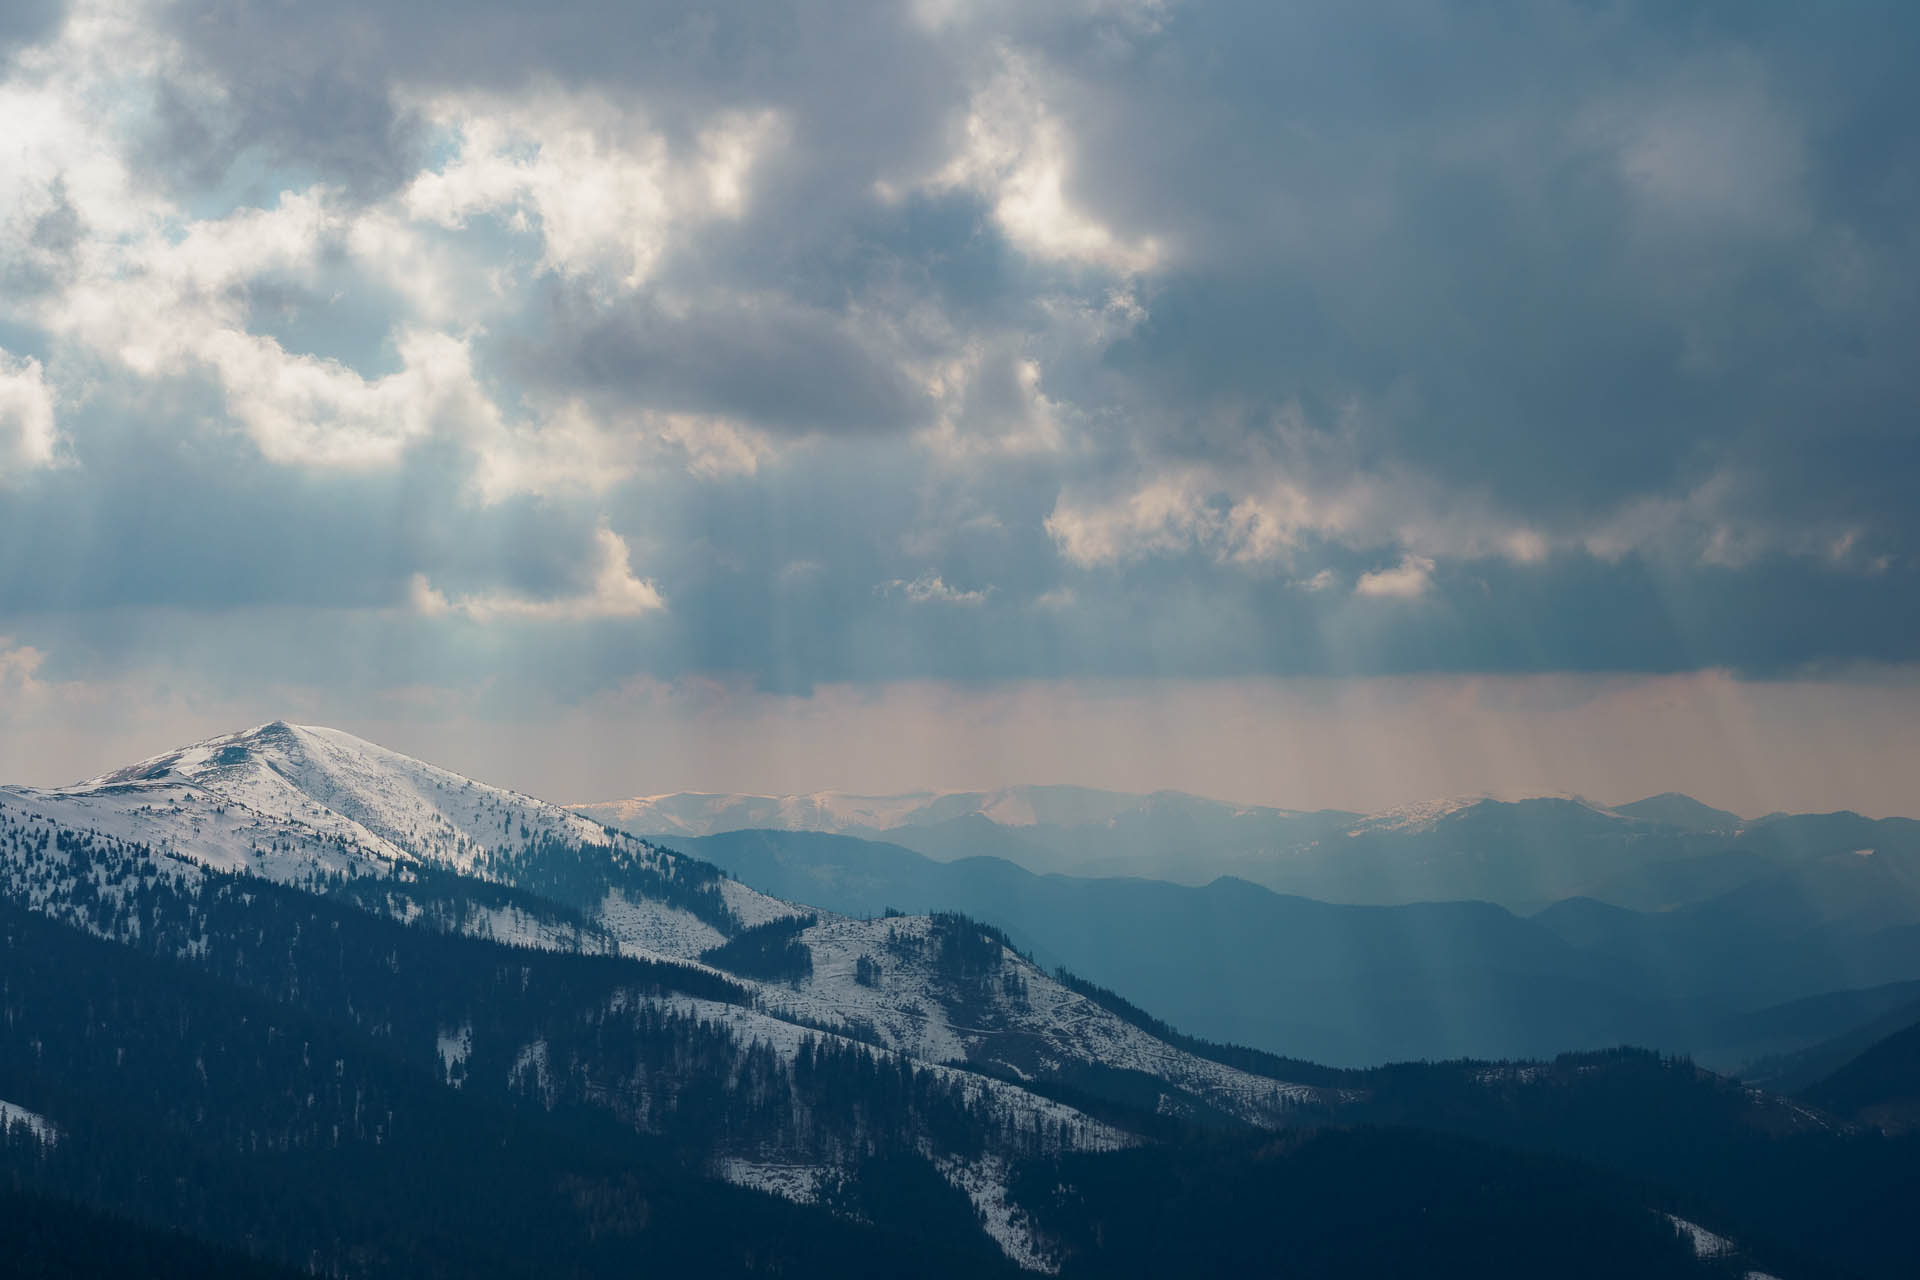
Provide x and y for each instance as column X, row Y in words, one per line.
column 310, row 411
column 28, row 439
column 614, row 591
column 59, row 142
column 566, row 451
column 1408, row 580
column 603, row 190
column 172, row 302
column 573, row 450
column 1018, row 154
column 1253, row 516
column 713, row 446
column 165, row 295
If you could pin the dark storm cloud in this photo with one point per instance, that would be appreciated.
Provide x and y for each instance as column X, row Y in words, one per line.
column 1425, row 206
column 329, row 119
column 1632, row 277
column 1567, row 253
column 316, row 82
column 783, row 367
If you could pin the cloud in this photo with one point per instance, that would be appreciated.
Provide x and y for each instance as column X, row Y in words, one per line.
column 1323, row 580
column 1283, row 495
column 602, row 190
column 1198, row 510
column 1409, row 579
column 787, row 368
column 28, row 439
column 1709, row 150
column 1585, row 327
column 613, row 591
column 27, row 21
column 171, row 302
column 17, row 666
column 1057, row 598
column 930, row 588
column 1019, row 156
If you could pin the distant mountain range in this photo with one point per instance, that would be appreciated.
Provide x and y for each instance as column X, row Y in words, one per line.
column 1662, row 852
column 285, row 999
column 1363, row 984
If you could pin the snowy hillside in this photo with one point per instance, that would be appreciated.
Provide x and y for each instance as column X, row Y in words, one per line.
column 320, row 811
column 1006, row 1013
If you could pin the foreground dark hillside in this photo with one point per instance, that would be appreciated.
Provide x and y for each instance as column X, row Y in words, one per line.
column 280, row 1125
column 1359, row 1203
column 195, row 1101
column 46, row 1239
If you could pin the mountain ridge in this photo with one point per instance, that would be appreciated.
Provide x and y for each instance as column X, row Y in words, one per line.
column 706, row 812
column 1655, row 854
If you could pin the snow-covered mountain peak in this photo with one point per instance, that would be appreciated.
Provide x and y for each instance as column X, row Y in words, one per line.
column 329, row 778
column 299, row 803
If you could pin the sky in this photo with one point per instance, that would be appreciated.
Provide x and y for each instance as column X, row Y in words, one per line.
column 1301, row 403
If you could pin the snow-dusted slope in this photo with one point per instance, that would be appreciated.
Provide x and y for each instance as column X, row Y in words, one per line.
column 13, row 1116
column 1012, row 1015
column 319, row 809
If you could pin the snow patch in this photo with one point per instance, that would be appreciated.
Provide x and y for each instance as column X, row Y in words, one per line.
column 1706, row 1244
column 13, row 1116
column 649, row 929
column 530, row 1072
column 751, row 907
column 800, row 1183
column 455, row 1045
column 985, row 1182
